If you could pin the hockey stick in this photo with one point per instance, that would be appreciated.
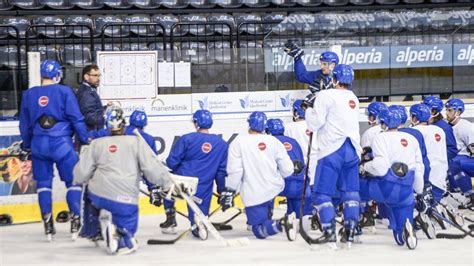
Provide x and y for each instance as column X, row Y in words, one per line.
column 182, row 235
column 303, row 233
column 219, row 226
column 455, row 225
column 231, row 242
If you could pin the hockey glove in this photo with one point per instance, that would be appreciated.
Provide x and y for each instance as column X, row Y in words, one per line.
column 470, row 149
column 292, row 49
column 308, row 101
column 226, row 199
column 421, row 204
column 428, row 193
column 25, row 155
column 297, row 167
column 156, row 197
column 318, row 84
column 367, row 155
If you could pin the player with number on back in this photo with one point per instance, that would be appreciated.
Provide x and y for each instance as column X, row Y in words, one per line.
column 334, row 118
column 49, row 116
column 202, row 155
column 258, row 164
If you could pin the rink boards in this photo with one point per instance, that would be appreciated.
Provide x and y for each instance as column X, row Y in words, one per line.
column 170, row 116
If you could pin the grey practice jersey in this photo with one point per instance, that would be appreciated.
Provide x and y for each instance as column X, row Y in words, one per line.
column 113, row 166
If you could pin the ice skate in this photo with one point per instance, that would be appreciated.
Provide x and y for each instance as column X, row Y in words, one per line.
column 409, row 235
column 75, row 226
column 169, row 226
column 49, row 229
column 290, row 225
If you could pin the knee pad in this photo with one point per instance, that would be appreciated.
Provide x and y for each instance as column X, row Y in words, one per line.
column 463, row 181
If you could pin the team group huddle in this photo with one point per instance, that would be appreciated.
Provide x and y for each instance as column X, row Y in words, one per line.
column 319, row 162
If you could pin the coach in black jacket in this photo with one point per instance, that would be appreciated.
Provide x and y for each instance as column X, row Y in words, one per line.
column 89, row 101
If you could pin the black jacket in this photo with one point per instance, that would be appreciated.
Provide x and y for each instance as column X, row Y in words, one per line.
column 91, row 106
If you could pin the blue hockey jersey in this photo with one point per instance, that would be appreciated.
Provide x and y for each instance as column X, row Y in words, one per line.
column 59, row 104
column 203, row 156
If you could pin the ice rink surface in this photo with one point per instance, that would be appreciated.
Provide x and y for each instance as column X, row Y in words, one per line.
column 26, row 245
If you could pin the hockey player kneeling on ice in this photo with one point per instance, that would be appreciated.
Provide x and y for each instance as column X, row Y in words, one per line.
column 112, row 168
column 390, row 178
column 204, row 156
column 49, row 116
column 293, row 183
column 258, row 163
column 462, row 168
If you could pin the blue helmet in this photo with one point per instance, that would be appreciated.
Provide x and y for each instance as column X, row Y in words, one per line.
column 421, row 111
column 330, row 57
column 434, row 103
column 203, row 118
column 297, row 109
column 391, row 119
column 50, row 69
column 401, row 111
column 138, row 119
column 344, row 74
column 114, row 118
column 275, row 126
column 374, row 109
column 456, row 104
column 257, row 121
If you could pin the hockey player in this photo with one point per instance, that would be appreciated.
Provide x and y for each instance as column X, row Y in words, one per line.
column 436, row 106
column 335, row 121
column 372, row 112
column 294, row 183
column 257, row 163
column 202, row 155
column 49, row 116
column 435, row 141
column 462, row 168
column 298, row 130
column 390, row 178
column 111, row 167
column 317, row 80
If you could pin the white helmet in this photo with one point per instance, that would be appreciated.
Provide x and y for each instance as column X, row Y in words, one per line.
column 114, row 118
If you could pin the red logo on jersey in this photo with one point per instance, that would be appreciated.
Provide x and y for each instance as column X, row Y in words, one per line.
column 404, row 142
column 308, row 132
column 43, row 101
column 288, row 146
column 352, row 104
column 112, row 148
column 437, row 137
column 262, row 146
column 206, row 147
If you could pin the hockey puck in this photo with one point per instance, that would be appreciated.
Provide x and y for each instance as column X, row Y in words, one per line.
column 5, row 219
column 63, row 217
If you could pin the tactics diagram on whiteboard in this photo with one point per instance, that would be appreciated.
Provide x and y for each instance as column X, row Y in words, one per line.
column 128, row 75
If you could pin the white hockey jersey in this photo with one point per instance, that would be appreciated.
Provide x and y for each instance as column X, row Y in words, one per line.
column 257, row 163
column 464, row 134
column 299, row 131
column 369, row 135
column 391, row 147
column 435, row 141
column 334, row 118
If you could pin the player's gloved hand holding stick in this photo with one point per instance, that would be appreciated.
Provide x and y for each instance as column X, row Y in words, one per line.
column 226, row 199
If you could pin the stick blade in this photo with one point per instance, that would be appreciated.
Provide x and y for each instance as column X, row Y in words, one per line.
column 160, row 242
column 450, row 236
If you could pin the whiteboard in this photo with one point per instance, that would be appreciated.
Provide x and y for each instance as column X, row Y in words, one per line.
column 128, row 74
